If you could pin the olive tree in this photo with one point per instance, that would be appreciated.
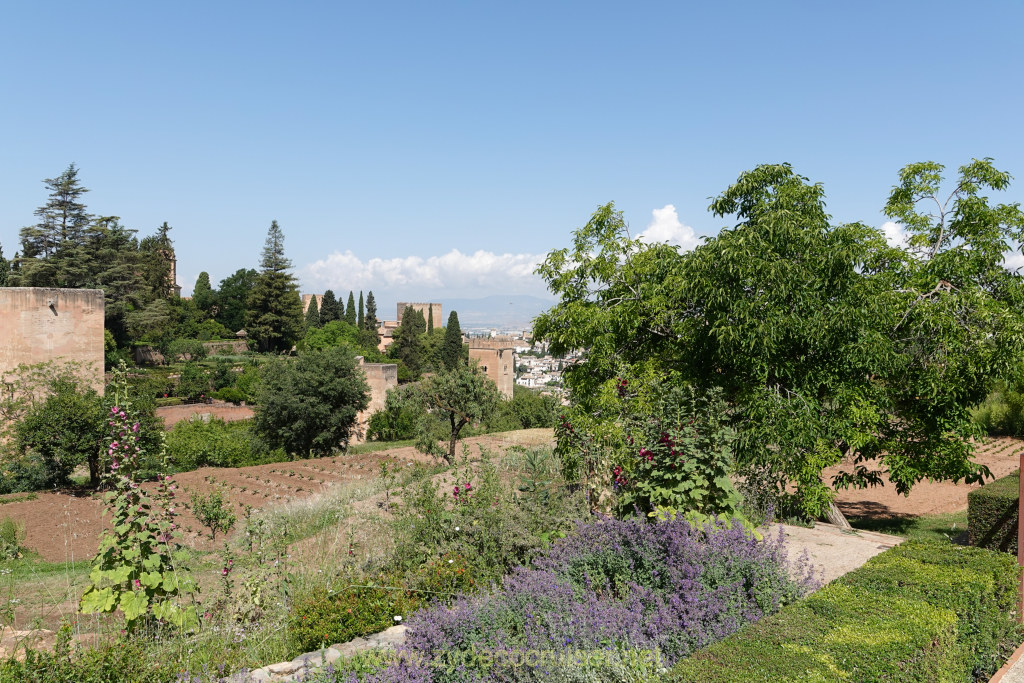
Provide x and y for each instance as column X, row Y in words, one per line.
column 453, row 399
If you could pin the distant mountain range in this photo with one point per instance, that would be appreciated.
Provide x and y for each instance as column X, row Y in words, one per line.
column 514, row 311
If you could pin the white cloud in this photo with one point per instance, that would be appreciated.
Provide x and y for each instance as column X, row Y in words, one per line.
column 665, row 226
column 1013, row 261
column 453, row 274
column 895, row 234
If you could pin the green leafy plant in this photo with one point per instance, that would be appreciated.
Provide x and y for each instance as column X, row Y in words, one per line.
column 214, row 512
column 322, row 616
column 12, row 534
column 683, row 455
column 138, row 568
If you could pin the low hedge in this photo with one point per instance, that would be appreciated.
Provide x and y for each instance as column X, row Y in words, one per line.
column 992, row 514
column 923, row 611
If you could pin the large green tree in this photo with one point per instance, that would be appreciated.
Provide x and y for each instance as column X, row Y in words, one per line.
column 49, row 248
column 370, row 321
column 312, row 315
column 361, row 317
column 233, row 295
column 308, row 405
column 65, row 431
column 830, row 345
column 274, row 319
column 408, row 342
column 204, row 296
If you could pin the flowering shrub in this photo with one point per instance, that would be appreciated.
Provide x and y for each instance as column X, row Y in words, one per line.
column 479, row 522
column 666, row 448
column 667, row 587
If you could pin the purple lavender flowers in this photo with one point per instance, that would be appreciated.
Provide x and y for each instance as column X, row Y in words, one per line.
column 614, row 587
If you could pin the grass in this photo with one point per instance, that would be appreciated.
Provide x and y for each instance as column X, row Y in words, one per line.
column 374, row 446
column 17, row 498
column 943, row 527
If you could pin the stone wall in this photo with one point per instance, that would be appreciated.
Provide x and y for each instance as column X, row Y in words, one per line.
column 225, row 348
column 65, row 325
column 425, row 309
column 306, row 298
column 381, row 377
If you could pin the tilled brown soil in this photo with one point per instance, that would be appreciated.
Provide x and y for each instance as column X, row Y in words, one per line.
column 229, row 412
column 1001, row 456
column 63, row 526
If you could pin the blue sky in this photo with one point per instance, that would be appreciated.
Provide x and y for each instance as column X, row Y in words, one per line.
column 427, row 149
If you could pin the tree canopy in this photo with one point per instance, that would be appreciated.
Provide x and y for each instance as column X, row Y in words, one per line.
column 830, row 345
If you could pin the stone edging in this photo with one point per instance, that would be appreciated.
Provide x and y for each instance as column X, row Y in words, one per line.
column 311, row 661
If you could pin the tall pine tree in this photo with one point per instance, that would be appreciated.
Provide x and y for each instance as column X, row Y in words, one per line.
column 275, row 319
column 350, row 310
column 329, row 308
column 360, row 320
column 312, row 315
column 451, row 348
column 50, row 249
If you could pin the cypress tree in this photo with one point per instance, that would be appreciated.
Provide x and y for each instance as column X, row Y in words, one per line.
column 451, row 348
column 350, row 310
column 361, row 320
column 5, row 270
column 408, row 344
column 329, row 308
column 430, row 318
column 312, row 314
column 371, row 313
column 203, row 295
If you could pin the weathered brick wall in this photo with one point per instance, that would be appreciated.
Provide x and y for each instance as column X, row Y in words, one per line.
column 499, row 363
column 381, row 377
column 39, row 324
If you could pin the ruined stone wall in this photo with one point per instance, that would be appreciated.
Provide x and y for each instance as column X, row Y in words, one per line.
column 498, row 363
column 225, row 348
column 38, row 324
column 381, row 377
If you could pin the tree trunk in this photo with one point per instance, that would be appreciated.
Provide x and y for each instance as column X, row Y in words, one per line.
column 835, row 516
